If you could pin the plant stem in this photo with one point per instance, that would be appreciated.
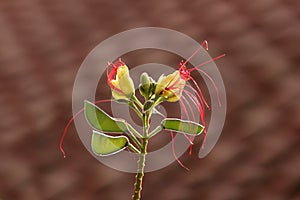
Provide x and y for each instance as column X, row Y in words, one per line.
column 142, row 158
column 133, row 148
column 137, row 101
column 133, row 106
column 140, row 173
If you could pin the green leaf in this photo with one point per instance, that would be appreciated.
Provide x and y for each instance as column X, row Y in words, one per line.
column 105, row 145
column 100, row 120
column 183, row 126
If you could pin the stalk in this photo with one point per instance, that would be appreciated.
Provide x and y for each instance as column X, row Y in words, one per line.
column 142, row 158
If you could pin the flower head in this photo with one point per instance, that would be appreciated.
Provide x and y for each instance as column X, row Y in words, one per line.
column 120, row 81
column 170, row 87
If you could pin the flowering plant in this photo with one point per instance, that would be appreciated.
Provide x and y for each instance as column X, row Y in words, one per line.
column 170, row 88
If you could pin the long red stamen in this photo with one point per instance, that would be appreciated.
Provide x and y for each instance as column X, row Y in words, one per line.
column 174, row 154
column 199, row 93
column 190, row 108
column 206, row 62
column 185, row 74
column 65, row 132
column 197, row 98
column 194, row 119
column 200, row 109
column 184, row 109
column 194, row 99
column 188, row 118
column 195, row 52
column 70, row 122
column 197, row 103
column 173, row 147
column 189, row 94
column 214, row 85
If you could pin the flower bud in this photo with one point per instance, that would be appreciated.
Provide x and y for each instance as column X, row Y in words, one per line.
column 147, row 86
column 145, row 80
column 120, row 81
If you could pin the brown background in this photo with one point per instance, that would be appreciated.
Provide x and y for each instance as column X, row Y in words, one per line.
column 42, row 44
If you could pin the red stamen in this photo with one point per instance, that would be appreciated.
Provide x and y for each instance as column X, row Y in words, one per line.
column 174, row 154
column 199, row 93
column 188, row 118
column 198, row 100
column 119, row 63
column 70, row 122
column 184, row 73
column 206, row 62
column 214, row 84
column 195, row 52
column 194, row 119
column 113, row 73
column 200, row 109
column 173, row 148
column 200, row 106
column 65, row 132
column 194, row 99
column 190, row 108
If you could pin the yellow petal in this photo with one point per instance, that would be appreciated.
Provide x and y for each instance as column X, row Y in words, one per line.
column 170, row 87
column 122, row 71
column 115, row 83
column 126, row 84
column 117, row 95
column 123, row 87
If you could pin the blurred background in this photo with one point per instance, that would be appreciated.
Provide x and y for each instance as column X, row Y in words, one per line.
column 43, row 43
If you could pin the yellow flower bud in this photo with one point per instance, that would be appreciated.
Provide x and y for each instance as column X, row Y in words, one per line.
column 120, row 82
column 170, row 87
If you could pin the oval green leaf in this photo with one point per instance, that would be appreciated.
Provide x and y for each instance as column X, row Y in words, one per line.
column 105, row 145
column 101, row 121
column 183, row 126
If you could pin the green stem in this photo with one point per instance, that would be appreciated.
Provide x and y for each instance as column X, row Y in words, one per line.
column 137, row 101
column 133, row 148
column 133, row 106
column 133, row 131
column 140, row 173
column 142, row 158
